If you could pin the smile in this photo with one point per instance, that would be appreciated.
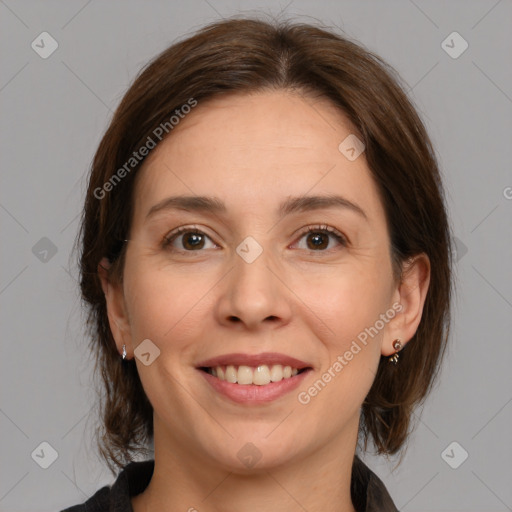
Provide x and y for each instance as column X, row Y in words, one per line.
column 252, row 394
column 260, row 375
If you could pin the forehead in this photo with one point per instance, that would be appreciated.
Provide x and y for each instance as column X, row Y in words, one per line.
column 253, row 150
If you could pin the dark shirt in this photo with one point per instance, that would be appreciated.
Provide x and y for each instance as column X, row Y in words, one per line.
column 367, row 490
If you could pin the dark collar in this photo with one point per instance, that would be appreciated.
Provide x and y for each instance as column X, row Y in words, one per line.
column 367, row 491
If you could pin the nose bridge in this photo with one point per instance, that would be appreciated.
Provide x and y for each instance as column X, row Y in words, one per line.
column 253, row 293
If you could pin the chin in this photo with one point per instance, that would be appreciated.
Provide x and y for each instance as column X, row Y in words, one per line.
column 251, row 454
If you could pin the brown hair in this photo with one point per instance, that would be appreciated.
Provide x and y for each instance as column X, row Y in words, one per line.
column 250, row 55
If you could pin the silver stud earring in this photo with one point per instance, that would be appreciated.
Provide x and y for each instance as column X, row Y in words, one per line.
column 124, row 352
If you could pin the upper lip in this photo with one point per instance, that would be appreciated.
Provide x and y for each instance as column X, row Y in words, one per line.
column 254, row 360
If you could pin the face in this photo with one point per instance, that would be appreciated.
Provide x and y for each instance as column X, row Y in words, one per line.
column 270, row 271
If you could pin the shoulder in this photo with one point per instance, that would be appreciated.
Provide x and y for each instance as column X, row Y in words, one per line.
column 99, row 502
column 132, row 480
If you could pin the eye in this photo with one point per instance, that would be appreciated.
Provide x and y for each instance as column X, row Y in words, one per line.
column 317, row 238
column 190, row 239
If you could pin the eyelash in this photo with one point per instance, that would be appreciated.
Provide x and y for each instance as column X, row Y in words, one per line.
column 323, row 228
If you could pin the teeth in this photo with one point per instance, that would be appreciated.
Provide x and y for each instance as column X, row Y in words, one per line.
column 245, row 375
column 231, row 374
column 260, row 376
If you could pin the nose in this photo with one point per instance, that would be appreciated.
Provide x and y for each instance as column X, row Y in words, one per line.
column 254, row 295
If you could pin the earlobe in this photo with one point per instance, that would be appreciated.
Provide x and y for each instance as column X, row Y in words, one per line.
column 116, row 309
column 411, row 294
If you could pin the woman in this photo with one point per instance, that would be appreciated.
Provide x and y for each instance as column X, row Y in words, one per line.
column 265, row 255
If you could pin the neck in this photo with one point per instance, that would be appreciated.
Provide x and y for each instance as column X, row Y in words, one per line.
column 188, row 481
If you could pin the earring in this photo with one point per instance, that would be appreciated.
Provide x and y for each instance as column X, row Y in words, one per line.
column 397, row 345
column 124, row 352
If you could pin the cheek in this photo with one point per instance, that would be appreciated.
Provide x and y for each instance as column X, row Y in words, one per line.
column 345, row 313
column 346, row 300
column 163, row 304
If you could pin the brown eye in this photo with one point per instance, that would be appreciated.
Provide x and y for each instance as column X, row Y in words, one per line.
column 186, row 240
column 318, row 238
column 193, row 241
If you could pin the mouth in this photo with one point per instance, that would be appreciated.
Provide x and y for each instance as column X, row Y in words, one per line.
column 262, row 369
column 260, row 375
column 254, row 384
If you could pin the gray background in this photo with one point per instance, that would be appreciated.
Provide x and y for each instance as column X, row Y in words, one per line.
column 54, row 112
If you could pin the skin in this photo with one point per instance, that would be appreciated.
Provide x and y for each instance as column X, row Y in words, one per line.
column 252, row 152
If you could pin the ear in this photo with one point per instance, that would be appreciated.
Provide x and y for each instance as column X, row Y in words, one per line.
column 116, row 309
column 410, row 294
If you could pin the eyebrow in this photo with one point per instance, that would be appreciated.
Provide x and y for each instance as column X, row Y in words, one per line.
column 291, row 205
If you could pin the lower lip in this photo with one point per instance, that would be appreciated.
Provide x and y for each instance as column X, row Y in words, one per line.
column 253, row 394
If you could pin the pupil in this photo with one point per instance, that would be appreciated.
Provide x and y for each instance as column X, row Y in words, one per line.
column 193, row 240
column 317, row 240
